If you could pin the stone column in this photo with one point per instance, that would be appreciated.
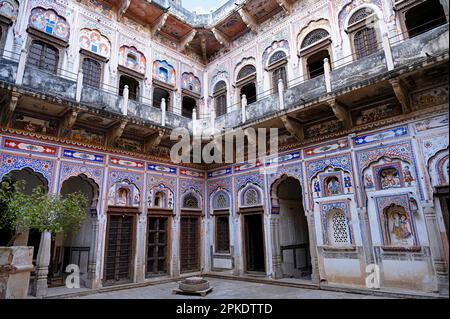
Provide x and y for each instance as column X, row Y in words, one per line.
column 175, row 247
column 365, row 234
column 237, row 246
column 276, row 252
column 437, row 252
column 93, row 255
column 315, row 276
column 42, row 262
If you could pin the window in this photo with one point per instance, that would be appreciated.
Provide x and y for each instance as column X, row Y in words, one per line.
column 365, row 42
column 363, row 34
column 251, row 197
column 157, row 247
column 277, row 74
column 333, row 186
column 220, row 98
column 43, row 56
column 190, row 201
column 188, row 106
column 92, row 71
column 424, row 16
column 338, row 231
column 246, row 82
column 133, row 87
column 160, row 200
column 314, row 50
column 222, row 234
column 158, row 95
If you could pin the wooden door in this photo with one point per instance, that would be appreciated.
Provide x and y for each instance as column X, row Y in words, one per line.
column 119, row 249
column 190, row 244
column 157, row 248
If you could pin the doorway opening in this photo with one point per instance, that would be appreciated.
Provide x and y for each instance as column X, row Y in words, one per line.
column 315, row 63
column 423, row 17
column 254, row 243
column 188, row 106
column 133, row 87
column 293, row 232
column 157, row 246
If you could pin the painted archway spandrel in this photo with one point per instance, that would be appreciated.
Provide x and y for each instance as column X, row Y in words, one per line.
column 70, row 170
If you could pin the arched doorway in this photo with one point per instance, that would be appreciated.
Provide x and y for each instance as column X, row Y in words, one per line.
column 290, row 232
column 76, row 247
column 32, row 180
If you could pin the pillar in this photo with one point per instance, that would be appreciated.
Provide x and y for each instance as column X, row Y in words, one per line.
column 40, row 286
column 276, row 252
column 315, row 277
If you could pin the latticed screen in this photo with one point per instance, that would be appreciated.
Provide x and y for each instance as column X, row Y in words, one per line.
column 190, row 201
column 340, row 228
column 314, row 36
column 91, row 72
column 365, row 42
column 359, row 15
column 44, row 56
column 251, row 197
column 223, row 234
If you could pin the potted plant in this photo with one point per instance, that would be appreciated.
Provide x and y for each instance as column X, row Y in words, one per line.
column 47, row 213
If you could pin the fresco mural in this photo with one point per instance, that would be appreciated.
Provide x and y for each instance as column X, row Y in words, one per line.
column 95, row 42
column 164, row 72
column 132, row 59
column 191, row 83
column 9, row 9
column 49, row 22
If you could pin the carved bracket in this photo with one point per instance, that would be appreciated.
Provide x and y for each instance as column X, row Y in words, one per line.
column 248, row 20
column 122, row 9
column 68, row 122
column 294, row 127
column 153, row 141
column 10, row 107
column 341, row 112
column 187, row 39
column 402, row 94
column 285, row 5
column 159, row 23
column 223, row 40
column 116, row 132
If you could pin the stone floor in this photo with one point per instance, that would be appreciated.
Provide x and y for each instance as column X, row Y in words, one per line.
column 227, row 289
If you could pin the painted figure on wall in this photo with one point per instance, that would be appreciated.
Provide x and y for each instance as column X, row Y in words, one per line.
column 49, row 22
column 348, row 182
column 316, row 186
column 368, row 182
column 407, row 175
column 9, row 9
column 122, row 197
column 399, row 226
column 389, row 178
column 94, row 42
column 333, row 186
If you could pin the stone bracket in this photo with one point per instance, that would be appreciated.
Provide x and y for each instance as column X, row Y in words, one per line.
column 153, row 141
column 122, row 9
column 10, row 107
column 248, row 20
column 116, row 132
column 294, row 127
column 68, row 122
column 341, row 112
column 159, row 24
column 223, row 39
column 187, row 39
column 402, row 94
column 285, row 6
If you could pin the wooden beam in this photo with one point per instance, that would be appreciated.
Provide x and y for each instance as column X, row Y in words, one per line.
column 294, row 127
column 159, row 23
column 203, row 45
column 10, row 108
column 221, row 38
column 187, row 40
column 116, row 132
column 341, row 112
column 248, row 20
column 153, row 141
column 68, row 122
column 122, row 8
column 285, row 6
column 402, row 94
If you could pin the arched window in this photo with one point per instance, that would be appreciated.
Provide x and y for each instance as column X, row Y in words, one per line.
column 92, row 72
column 123, row 196
column 190, row 201
column 222, row 234
column 160, row 200
column 277, row 66
column 315, row 48
column 220, row 98
column 246, row 82
column 363, row 34
column 221, row 201
column 338, row 231
column 158, row 95
column 424, row 16
column 314, row 37
column 43, row 56
column 251, row 197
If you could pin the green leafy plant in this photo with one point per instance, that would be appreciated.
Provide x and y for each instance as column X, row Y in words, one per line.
column 44, row 212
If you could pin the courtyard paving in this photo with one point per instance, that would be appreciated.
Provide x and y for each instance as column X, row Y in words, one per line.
column 227, row 289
